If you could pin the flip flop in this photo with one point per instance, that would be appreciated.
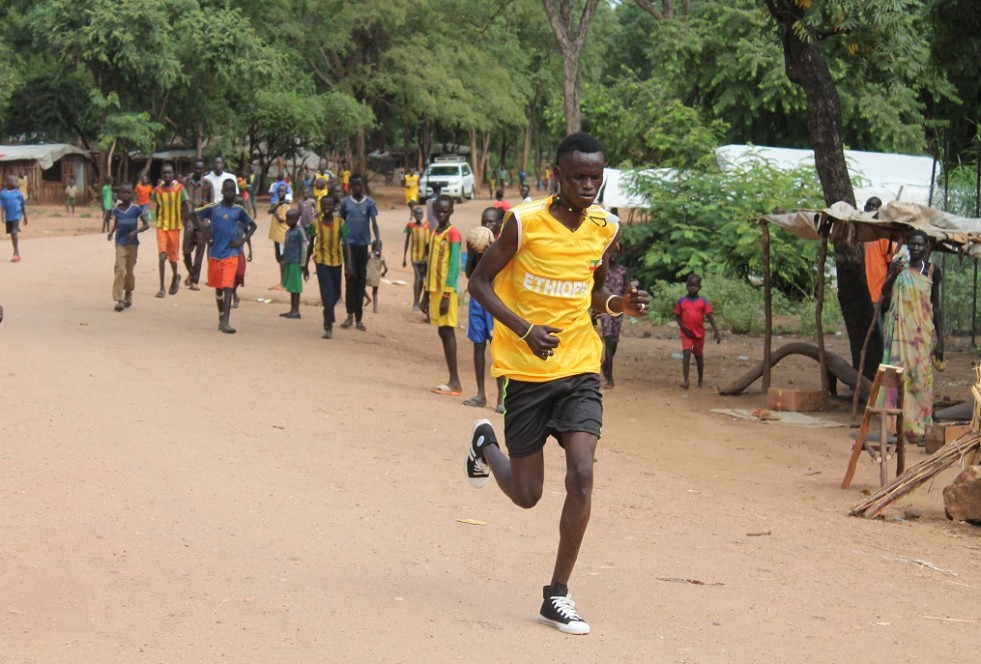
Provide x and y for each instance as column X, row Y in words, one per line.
column 175, row 284
column 447, row 391
column 474, row 402
column 160, row 294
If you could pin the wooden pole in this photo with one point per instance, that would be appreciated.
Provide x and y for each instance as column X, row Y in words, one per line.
column 977, row 213
column 767, row 304
column 865, row 348
column 823, row 230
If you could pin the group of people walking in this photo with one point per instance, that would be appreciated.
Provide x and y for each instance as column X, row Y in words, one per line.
column 206, row 212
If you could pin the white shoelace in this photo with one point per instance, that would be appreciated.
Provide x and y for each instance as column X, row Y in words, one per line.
column 479, row 466
column 565, row 607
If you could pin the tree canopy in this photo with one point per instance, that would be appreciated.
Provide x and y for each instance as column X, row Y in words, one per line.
column 659, row 82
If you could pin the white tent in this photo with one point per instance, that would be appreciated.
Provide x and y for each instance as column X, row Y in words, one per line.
column 889, row 176
column 615, row 190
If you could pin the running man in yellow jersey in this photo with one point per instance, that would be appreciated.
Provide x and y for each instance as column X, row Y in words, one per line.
column 539, row 281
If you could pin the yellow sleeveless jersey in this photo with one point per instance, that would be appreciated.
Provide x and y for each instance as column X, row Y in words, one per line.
column 549, row 281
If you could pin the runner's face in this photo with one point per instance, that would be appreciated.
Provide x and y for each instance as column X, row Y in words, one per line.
column 228, row 191
column 219, row 165
column 126, row 194
column 580, row 175
column 167, row 174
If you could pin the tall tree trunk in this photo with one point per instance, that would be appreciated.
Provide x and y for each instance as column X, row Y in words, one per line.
column 527, row 149
column 359, row 159
column 112, row 149
column 570, row 93
column 570, row 38
column 807, row 67
column 479, row 146
column 149, row 160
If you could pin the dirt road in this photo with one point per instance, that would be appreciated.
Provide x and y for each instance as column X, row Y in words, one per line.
column 172, row 494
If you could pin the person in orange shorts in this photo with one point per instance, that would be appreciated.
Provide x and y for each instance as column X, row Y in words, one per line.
column 231, row 227
column 172, row 207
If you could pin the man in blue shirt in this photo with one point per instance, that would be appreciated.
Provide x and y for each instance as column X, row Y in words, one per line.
column 360, row 215
column 274, row 190
column 231, row 227
column 13, row 207
column 125, row 226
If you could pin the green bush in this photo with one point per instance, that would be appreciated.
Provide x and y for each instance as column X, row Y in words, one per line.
column 703, row 219
column 830, row 314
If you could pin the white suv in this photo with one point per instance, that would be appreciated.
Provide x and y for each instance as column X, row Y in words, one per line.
column 454, row 176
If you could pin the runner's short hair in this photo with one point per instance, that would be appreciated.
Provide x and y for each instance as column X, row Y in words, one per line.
column 578, row 142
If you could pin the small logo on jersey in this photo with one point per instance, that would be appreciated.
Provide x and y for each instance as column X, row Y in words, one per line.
column 594, row 265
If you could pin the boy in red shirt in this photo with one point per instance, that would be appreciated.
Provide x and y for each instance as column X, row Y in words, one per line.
column 691, row 312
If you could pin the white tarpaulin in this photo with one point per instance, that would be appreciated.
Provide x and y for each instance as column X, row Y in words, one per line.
column 895, row 219
column 888, row 176
column 615, row 191
column 45, row 154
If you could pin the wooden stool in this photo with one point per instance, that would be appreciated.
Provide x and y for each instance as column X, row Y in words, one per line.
column 885, row 377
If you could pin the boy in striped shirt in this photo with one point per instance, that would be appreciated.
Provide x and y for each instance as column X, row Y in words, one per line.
column 328, row 246
column 416, row 242
column 171, row 202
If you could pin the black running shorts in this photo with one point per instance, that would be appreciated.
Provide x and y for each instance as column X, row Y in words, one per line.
column 535, row 411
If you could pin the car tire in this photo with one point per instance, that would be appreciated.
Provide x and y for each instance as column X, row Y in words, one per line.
column 473, row 193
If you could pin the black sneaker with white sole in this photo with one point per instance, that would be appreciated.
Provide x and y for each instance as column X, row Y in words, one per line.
column 477, row 469
column 559, row 611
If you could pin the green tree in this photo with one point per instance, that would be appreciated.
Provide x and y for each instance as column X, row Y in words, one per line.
column 955, row 50
column 883, row 34
column 639, row 123
column 570, row 33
